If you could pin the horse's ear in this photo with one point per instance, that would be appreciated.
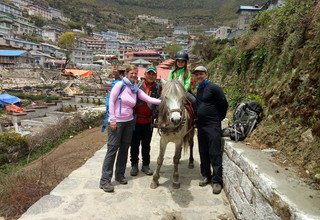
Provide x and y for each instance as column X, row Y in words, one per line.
column 163, row 82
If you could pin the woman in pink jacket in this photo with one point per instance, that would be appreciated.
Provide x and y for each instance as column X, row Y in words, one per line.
column 123, row 98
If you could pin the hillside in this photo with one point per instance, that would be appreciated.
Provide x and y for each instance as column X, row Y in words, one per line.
column 120, row 14
column 277, row 62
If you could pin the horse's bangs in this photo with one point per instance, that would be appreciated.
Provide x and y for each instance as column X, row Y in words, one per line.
column 173, row 88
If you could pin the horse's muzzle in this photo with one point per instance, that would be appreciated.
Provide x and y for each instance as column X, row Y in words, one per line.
column 176, row 121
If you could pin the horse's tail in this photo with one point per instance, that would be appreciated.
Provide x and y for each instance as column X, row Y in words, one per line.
column 188, row 138
column 185, row 145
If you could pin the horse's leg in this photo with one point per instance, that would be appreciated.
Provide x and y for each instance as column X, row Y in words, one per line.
column 191, row 143
column 176, row 159
column 155, row 180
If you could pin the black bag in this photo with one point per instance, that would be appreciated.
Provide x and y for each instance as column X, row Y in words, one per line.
column 246, row 117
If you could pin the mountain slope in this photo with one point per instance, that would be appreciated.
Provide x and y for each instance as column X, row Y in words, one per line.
column 120, row 14
column 277, row 62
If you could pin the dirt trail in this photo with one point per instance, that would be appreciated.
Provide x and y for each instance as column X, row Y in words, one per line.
column 61, row 161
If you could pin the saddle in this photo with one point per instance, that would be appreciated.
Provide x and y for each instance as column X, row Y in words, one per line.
column 191, row 112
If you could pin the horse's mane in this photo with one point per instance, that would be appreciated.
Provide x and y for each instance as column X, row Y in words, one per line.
column 173, row 89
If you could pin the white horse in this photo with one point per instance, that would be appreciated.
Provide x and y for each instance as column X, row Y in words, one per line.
column 175, row 126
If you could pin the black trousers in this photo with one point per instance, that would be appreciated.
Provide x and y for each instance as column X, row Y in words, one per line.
column 142, row 134
column 209, row 139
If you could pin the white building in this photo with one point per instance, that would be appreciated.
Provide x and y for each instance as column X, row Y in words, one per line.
column 246, row 14
column 34, row 10
column 81, row 55
column 223, row 32
column 51, row 33
column 19, row 44
column 10, row 9
column 11, row 25
column 112, row 47
column 124, row 37
column 180, row 30
column 22, row 3
column 110, row 35
column 57, row 14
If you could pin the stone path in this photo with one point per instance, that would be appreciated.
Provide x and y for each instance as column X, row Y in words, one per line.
column 79, row 196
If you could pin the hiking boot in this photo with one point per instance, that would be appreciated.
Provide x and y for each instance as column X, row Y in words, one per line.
column 216, row 188
column 147, row 170
column 107, row 187
column 122, row 180
column 205, row 181
column 134, row 170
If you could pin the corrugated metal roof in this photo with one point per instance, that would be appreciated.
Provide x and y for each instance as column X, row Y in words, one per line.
column 12, row 53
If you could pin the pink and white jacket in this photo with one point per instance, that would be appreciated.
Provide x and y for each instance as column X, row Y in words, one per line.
column 128, row 101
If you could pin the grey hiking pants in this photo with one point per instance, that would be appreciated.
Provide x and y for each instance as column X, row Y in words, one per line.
column 118, row 142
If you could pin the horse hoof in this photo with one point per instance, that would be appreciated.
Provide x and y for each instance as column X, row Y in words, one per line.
column 153, row 185
column 176, row 185
column 191, row 165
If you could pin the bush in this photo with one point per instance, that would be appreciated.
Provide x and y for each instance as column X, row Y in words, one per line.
column 12, row 147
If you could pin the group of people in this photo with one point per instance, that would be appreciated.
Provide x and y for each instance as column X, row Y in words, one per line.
column 133, row 110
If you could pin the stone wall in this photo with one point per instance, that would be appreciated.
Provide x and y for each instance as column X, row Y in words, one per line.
column 259, row 189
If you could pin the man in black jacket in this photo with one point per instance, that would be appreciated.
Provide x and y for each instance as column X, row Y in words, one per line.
column 212, row 107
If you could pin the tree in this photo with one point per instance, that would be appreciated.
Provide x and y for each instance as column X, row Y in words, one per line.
column 67, row 41
column 39, row 21
column 172, row 48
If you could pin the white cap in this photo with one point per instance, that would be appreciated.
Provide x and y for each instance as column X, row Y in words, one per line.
column 200, row 69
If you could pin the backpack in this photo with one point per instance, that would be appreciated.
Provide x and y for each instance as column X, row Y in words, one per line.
column 246, row 117
column 123, row 86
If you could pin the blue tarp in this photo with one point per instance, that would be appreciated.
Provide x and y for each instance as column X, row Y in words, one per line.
column 6, row 99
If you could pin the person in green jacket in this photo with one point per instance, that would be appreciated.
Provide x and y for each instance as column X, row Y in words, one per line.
column 182, row 73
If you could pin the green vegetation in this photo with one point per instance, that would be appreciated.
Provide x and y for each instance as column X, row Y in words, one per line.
column 67, row 41
column 172, row 48
column 277, row 62
column 38, row 20
column 10, row 144
column 17, row 151
column 42, row 97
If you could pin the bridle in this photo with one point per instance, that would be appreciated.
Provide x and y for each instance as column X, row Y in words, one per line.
column 176, row 127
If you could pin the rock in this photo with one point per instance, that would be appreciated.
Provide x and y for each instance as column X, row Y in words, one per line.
column 307, row 136
column 317, row 177
column 270, row 151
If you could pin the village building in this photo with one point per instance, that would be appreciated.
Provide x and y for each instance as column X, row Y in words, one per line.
column 22, row 3
column 180, row 30
column 223, row 32
column 81, row 55
column 57, row 14
column 53, row 50
column 35, row 10
column 124, row 47
column 112, row 47
column 246, row 14
column 51, row 33
column 271, row 4
column 10, row 58
column 110, row 35
column 10, row 9
column 97, row 45
column 151, row 56
column 18, row 44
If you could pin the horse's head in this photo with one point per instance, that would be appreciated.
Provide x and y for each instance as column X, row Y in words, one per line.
column 173, row 100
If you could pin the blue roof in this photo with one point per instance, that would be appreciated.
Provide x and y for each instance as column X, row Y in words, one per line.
column 6, row 99
column 12, row 53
